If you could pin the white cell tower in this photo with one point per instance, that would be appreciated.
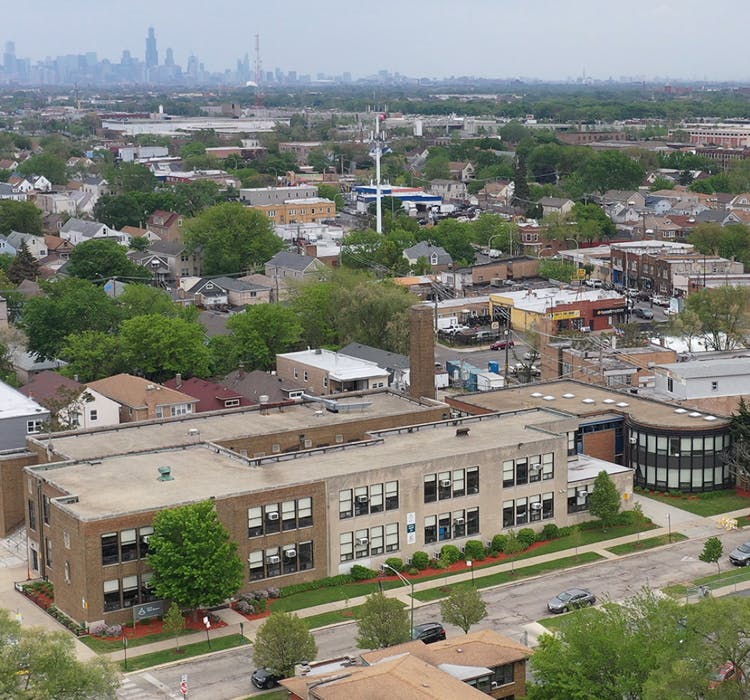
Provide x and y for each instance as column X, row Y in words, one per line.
column 378, row 150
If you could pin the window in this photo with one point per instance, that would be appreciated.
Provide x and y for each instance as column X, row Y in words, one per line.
column 255, row 565
column 66, row 539
column 346, row 546
column 48, row 550
column 502, row 675
column 472, row 521
column 459, row 482
column 273, row 562
column 45, row 509
column 34, row 426
column 444, row 485
column 110, row 553
column 430, row 488
column 304, row 512
column 459, row 523
column 670, row 384
column 548, row 466
column 305, row 555
column 361, row 501
column 254, row 521
column 444, row 526
column 472, row 480
column 288, row 515
column 289, row 560
column 159, row 411
column 714, row 386
column 128, row 545
column 391, row 495
column 93, row 415
column 66, row 570
column 182, row 409
column 522, row 471
column 305, row 376
column 376, row 498
column 578, row 499
column 391, row 537
column 144, row 535
column 430, row 529
column 231, row 403
column 129, row 591
column 522, row 516
column 361, row 544
column 345, row 504
column 535, row 468
column 111, row 595
column 508, row 473
column 376, row 540
column 548, row 506
column 296, row 373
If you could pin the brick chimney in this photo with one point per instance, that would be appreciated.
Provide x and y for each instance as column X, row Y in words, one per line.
column 178, row 381
column 421, row 352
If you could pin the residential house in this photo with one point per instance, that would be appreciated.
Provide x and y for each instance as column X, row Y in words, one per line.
column 78, row 231
column 58, row 247
column 139, row 399
column 395, row 364
column 277, row 287
column 435, row 256
column 211, row 396
column 292, row 266
column 206, row 293
column 449, row 189
column 631, row 198
column 264, row 387
column 27, row 364
column 463, row 171
column 175, row 256
column 322, row 371
column 8, row 164
column 36, row 245
column 96, row 186
column 241, row 293
column 8, row 191
column 299, row 211
column 56, row 203
column 500, row 191
column 6, row 248
column 40, row 183
column 21, row 184
column 21, row 416
column 555, row 205
column 167, row 225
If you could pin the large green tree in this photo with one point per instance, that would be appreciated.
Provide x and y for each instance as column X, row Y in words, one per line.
column 382, row 622
column 463, row 608
column 604, row 499
column 233, row 238
column 160, row 346
column 194, row 561
column 35, row 664
column 262, row 331
column 130, row 177
column 724, row 313
column 611, row 170
column 24, row 266
column 140, row 300
column 282, row 642
column 68, row 306
column 92, row 355
column 99, row 259
column 19, row 216
column 52, row 166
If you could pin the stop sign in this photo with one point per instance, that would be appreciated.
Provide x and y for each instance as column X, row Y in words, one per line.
column 184, row 687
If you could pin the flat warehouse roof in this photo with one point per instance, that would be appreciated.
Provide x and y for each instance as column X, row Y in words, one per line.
column 220, row 427
column 129, row 482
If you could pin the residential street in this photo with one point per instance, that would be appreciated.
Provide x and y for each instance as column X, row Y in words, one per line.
column 512, row 611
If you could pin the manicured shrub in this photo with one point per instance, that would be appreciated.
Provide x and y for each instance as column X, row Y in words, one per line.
column 412, row 571
column 420, row 560
column 474, row 550
column 566, row 531
column 450, row 554
column 526, row 536
column 498, row 543
column 550, row 531
column 395, row 563
column 329, row 582
column 362, row 573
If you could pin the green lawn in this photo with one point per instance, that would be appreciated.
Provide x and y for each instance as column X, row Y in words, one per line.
column 272, row 695
column 137, row 663
column 309, row 599
column 331, row 618
column 104, row 646
column 703, row 504
column 724, row 578
column 507, row 576
column 650, row 543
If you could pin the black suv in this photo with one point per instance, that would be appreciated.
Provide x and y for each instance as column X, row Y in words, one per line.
column 429, row 632
column 262, row 678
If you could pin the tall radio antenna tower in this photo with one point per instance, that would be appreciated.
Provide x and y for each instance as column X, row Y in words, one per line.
column 258, row 74
column 379, row 149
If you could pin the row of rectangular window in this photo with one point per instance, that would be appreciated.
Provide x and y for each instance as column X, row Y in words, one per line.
column 446, row 526
column 451, row 484
column 125, row 593
column 127, row 545
column 681, row 446
column 277, row 561
column 366, row 542
column 578, row 499
column 279, row 517
column 366, row 500
column 528, row 470
column 528, row 510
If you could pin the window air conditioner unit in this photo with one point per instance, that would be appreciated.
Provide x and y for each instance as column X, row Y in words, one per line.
column 536, row 506
column 274, row 559
column 458, row 521
column 583, row 494
column 363, row 541
column 272, row 515
column 146, row 538
column 494, row 685
column 535, row 467
column 445, row 483
column 290, row 553
column 362, row 499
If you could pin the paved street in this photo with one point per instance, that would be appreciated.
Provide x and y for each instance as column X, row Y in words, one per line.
column 513, row 610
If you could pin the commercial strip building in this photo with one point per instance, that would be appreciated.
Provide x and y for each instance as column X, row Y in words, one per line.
column 300, row 511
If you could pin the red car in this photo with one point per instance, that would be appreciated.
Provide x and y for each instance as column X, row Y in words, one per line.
column 726, row 672
column 500, row 344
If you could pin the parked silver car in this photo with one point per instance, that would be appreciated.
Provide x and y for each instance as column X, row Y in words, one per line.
column 741, row 555
column 570, row 600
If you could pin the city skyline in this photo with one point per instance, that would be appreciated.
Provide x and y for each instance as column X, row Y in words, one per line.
column 487, row 38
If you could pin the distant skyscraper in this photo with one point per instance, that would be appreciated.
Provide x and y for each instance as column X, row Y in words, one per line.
column 169, row 60
column 9, row 58
column 152, row 55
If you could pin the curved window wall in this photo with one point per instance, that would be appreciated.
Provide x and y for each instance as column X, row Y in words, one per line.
column 678, row 461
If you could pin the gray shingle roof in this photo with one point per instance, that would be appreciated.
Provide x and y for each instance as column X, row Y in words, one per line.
column 423, row 249
column 291, row 261
column 382, row 358
column 86, row 228
column 235, row 285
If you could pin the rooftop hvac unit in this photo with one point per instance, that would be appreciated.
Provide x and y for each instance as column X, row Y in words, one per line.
column 274, row 559
column 290, row 553
column 272, row 515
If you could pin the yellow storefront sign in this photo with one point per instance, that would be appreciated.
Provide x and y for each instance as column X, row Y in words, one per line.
column 561, row 315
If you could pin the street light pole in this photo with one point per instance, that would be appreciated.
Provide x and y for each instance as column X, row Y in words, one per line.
column 405, row 580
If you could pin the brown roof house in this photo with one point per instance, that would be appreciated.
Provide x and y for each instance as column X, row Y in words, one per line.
column 167, row 225
column 211, row 396
column 141, row 399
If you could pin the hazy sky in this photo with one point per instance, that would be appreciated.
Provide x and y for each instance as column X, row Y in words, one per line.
column 549, row 39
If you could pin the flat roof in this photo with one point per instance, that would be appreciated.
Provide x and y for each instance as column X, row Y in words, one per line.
column 14, row 404
column 585, row 468
column 550, row 297
column 226, row 425
column 585, row 400
column 338, row 366
column 708, row 368
column 129, row 482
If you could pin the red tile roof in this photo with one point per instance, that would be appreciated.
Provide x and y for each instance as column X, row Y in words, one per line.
column 211, row 396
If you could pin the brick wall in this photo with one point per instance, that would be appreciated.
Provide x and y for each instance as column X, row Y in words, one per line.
column 600, row 444
column 12, row 501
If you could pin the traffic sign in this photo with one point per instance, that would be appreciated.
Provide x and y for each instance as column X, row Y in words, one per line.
column 184, row 688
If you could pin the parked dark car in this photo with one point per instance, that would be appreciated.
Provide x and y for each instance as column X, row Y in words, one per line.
column 500, row 344
column 644, row 313
column 570, row 600
column 741, row 555
column 428, row 632
column 263, row 679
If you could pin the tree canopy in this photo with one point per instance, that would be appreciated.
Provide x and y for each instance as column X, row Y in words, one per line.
column 604, row 499
column 382, row 622
column 464, row 607
column 282, row 642
column 724, row 315
column 99, row 259
column 25, row 217
column 233, row 238
column 195, row 562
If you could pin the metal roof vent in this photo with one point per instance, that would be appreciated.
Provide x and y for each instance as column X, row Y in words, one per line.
column 165, row 474
column 462, row 432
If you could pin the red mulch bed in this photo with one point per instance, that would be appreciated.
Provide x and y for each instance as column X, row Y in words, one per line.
column 257, row 616
column 156, row 626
